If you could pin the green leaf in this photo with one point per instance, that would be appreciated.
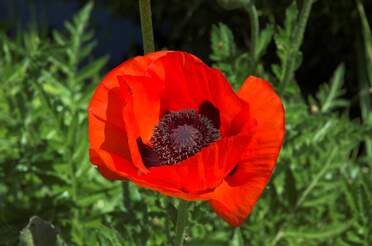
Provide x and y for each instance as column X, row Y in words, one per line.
column 223, row 44
column 330, row 95
column 320, row 234
column 91, row 69
column 59, row 38
column 264, row 40
column 316, row 178
column 290, row 21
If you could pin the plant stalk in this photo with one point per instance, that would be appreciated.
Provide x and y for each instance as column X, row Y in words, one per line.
column 182, row 217
column 298, row 36
column 255, row 28
column 146, row 26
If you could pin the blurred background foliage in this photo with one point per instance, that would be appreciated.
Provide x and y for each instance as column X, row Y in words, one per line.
column 321, row 190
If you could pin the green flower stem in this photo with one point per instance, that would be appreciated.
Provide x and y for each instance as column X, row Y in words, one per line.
column 146, row 26
column 296, row 44
column 255, row 28
column 181, row 222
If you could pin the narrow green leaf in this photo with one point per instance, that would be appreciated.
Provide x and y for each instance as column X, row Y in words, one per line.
column 321, row 234
column 91, row 69
column 223, row 44
column 264, row 40
column 336, row 83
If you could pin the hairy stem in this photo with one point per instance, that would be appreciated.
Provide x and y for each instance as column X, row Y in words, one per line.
column 255, row 28
column 146, row 26
column 181, row 222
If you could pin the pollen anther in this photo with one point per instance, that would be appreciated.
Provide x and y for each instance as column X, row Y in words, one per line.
column 182, row 134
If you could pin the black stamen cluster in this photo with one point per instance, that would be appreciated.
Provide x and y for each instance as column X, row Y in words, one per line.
column 181, row 134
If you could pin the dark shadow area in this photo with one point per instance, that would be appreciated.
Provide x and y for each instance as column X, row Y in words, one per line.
column 332, row 36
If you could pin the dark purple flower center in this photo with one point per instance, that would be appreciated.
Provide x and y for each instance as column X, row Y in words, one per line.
column 181, row 134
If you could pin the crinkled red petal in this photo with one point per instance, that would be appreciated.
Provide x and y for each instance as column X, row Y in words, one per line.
column 187, row 83
column 106, row 122
column 204, row 171
column 234, row 199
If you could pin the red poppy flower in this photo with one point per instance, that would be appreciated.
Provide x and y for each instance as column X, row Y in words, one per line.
column 168, row 122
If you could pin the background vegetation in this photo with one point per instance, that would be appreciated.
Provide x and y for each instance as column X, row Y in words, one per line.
column 321, row 190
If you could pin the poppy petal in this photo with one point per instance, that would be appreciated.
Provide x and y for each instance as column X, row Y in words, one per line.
column 123, row 170
column 234, row 199
column 231, row 173
column 207, row 168
column 188, row 83
column 268, row 111
column 235, row 203
column 146, row 103
column 107, row 129
column 105, row 171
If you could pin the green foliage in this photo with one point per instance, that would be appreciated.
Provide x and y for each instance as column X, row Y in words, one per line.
column 46, row 89
column 223, row 45
column 320, row 193
column 365, row 72
column 230, row 60
column 330, row 94
column 284, row 43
